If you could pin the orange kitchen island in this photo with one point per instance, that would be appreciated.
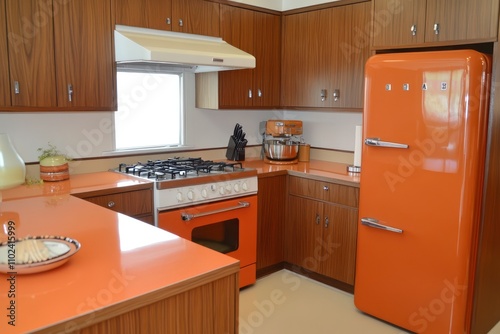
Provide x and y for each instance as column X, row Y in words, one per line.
column 127, row 277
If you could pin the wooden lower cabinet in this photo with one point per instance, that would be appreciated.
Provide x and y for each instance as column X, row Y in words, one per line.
column 321, row 237
column 308, row 226
column 210, row 308
column 271, row 219
column 321, row 228
column 137, row 203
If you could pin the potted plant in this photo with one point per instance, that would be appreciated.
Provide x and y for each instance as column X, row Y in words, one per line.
column 53, row 164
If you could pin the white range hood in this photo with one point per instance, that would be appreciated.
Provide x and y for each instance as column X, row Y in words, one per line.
column 154, row 49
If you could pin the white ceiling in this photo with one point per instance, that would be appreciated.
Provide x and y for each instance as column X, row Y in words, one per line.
column 283, row 5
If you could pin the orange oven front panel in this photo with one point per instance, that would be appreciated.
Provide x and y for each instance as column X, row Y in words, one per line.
column 242, row 211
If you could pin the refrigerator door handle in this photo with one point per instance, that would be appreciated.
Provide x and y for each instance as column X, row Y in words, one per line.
column 380, row 143
column 371, row 222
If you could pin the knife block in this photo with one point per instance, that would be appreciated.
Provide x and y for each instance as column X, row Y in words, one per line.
column 234, row 152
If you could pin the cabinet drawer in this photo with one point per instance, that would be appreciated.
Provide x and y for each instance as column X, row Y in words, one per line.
column 131, row 203
column 325, row 191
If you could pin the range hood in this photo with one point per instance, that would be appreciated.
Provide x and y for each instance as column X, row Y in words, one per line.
column 155, row 49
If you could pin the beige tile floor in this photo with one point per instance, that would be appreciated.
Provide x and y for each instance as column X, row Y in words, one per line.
column 287, row 303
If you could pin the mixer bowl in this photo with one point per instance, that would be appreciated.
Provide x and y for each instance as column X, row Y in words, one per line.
column 278, row 149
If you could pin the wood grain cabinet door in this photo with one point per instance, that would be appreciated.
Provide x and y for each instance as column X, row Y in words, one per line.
column 351, row 47
column 267, row 52
column 84, row 55
column 271, row 220
column 196, row 17
column 303, row 233
column 153, row 14
column 446, row 21
column 31, row 53
column 338, row 248
column 471, row 20
column 306, row 41
column 482, row 19
column 398, row 23
column 324, row 52
column 237, row 29
column 4, row 62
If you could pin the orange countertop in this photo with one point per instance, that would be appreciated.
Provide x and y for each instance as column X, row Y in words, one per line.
column 78, row 183
column 122, row 263
column 315, row 169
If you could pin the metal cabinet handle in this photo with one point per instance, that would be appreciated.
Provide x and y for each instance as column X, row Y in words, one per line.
column 16, row 87
column 259, row 93
column 323, row 95
column 188, row 216
column 327, row 222
column 70, row 92
column 372, row 222
column 318, row 219
column 111, row 204
column 250, row 95
column 168, row 21
column 336, row 95
column 380, row 143
column 326, row 188
column 181, row 23
column 436, row 28
column 413, row 29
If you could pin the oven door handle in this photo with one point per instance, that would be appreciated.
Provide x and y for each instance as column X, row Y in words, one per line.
column 188, row 216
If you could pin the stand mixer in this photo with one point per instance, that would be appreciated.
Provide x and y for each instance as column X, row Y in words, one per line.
column 281, row 140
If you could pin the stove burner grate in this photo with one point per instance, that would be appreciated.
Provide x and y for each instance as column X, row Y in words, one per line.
column 175, row 168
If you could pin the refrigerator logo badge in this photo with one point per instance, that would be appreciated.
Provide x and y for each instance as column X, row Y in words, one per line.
column 424, row 86
column 444, row 85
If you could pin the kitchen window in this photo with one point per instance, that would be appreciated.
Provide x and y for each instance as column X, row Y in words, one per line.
column 150, row 110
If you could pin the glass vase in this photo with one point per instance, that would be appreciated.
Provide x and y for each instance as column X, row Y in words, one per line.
column 12, row 168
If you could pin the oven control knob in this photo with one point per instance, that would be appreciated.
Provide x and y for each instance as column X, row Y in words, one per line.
column 244, row 186
column 179, row 197
column 229, row 188
column 222, row 190
column 190, row 195
column 204, row 193
column 213, row 187
column 236, row 187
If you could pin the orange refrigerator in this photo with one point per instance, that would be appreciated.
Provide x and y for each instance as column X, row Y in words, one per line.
column 424, row 141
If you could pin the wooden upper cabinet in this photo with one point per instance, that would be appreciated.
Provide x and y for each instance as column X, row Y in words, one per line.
column 256, row 33
column 4, row 62
column 31, row 52
column 446, row 20
column 188, row 16
column 450, row 20
column 353, row 49
column 153, row 14
column 237, row 29
column 482, row 19
column 84, row 55
column 305, row 46
column 398, row 23
column 196, row 17
column 267, row 52
column 433, row 22
column 324, row 52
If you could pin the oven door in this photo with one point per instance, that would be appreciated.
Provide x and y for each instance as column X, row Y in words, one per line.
column 228, row 226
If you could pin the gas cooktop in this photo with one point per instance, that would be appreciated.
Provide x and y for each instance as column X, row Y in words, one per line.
column 185, row 170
